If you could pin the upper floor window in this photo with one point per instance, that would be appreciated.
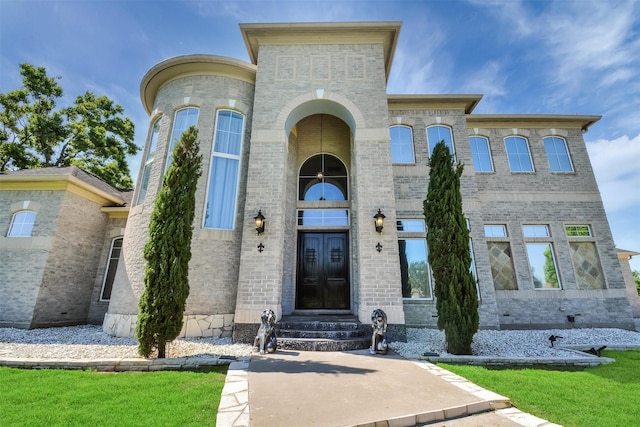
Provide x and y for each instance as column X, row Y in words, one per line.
column 401, row 144
column 557, row 154
column 183, row 120
column 22, row 224
column 436, row 134
column 148, row 162
column 224, row 174
column 481, row 154
column 518, row 154
column 112, row 265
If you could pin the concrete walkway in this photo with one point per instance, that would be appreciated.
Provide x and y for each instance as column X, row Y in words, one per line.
column 329, row 389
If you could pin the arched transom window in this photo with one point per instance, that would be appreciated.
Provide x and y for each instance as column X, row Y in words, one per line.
column 323, row 177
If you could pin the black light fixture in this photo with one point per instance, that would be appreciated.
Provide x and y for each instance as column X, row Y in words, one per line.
column 379, row 221
column 260, row 220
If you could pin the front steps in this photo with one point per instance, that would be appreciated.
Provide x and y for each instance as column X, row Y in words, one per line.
column 322, row 333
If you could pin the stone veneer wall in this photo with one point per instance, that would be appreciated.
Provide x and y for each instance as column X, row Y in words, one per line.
column 350, row 77
column 97, row 309
column 514, row 200
column 213, row 269
column 23, row 259
column 69, row 273
column 198, row 325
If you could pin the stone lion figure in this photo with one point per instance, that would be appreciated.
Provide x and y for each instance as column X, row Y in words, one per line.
column 378, row 339
column 266, row 339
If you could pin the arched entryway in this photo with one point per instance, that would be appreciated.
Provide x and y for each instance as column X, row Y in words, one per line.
column 323, row 274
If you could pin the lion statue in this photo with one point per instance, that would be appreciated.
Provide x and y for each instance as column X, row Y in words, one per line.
column 266, row 339
column 379, row 325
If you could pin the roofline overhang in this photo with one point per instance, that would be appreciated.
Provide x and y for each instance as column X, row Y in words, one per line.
column 58, row 182
column 316, row 33
column 116, row 211
column 531, row 121
column 626, row 254
column 185, row 65
column 419, row 102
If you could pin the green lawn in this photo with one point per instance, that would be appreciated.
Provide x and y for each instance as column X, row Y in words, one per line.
column 84, row 398
column 607, row 395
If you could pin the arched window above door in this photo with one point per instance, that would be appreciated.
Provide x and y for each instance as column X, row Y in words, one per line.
column 323, row 177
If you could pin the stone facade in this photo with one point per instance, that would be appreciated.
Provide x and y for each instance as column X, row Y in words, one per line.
column 318, row 91
column 47, row 278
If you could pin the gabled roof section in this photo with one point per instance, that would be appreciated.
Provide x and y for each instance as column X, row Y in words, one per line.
column 420, row 102
column 531, row 121
column 70, row 178
column 386, row 32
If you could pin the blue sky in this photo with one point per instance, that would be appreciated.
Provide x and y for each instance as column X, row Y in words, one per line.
column 528, row 57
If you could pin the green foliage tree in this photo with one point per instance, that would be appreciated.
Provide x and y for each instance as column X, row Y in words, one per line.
column 550, row 273
column 91, row 134
column 449, row 256
column 168, row 250
column 636, row 279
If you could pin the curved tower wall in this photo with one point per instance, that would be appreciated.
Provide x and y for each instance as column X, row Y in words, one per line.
column 209, row 84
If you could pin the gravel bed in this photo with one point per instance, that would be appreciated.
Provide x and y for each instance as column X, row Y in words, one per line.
column 520, row 343
column 89, row 342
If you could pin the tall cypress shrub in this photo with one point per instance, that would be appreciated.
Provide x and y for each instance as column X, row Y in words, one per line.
column 168, row 250
column 449, row 256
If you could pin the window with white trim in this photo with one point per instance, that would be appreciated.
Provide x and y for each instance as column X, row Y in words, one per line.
column 584, row 257
column 518, row 154
column 224, row 174
column 112, row 266
column 22, row 224
column 557, row 154
column 148, row 162
column 481, row 154
column 401, row 144
column 439, row 133
column 183, row 119
column 542, row 263
column 500, row 257
column 415, row 272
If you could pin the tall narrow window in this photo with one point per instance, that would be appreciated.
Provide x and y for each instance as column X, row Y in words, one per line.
column 557, row 154
column 183, row 119
column 414, row 267
column 541, row 257
column 401, row 144
column 500, row 258
column 148, row 163
column 481, row 154
column 436, row 134
column 584, row 257
column 22, row 224
column 224, row 175
column 518, row 154
column 112, row 265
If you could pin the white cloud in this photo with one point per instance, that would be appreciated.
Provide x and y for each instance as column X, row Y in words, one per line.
column 616, row 165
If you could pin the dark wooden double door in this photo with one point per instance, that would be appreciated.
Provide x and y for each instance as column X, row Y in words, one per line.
column 323, row 271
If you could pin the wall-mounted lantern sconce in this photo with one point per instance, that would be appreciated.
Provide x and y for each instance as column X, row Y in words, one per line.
column 260, row 220
column 379, row 221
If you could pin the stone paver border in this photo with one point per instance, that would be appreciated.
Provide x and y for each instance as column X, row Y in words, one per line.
column 119, row 365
